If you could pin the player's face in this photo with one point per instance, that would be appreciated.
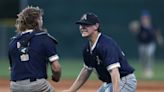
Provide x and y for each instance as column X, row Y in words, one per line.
column 146, row 20
column 87, row 30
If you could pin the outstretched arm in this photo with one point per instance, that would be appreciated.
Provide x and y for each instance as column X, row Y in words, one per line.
column 115, row 75
column 80, row 80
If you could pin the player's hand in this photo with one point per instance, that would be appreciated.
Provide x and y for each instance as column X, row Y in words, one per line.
column 54, row 78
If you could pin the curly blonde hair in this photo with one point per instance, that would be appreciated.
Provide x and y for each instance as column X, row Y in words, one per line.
column 28, row 18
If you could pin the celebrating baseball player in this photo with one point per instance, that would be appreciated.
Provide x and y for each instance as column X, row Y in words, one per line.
column 103, row 54
column 30, row 51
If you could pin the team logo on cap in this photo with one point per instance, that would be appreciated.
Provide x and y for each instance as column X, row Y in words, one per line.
column 84, row 17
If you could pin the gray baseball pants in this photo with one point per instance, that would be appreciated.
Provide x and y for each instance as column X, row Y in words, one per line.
column 40, row 85
column 127, row 84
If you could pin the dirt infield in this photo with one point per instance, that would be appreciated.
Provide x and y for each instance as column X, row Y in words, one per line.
column 92, row 85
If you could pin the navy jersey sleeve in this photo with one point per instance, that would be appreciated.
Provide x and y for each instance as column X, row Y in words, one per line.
column 50, row 47
column 110, row 52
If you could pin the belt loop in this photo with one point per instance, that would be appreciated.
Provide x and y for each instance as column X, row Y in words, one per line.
column 32, row 79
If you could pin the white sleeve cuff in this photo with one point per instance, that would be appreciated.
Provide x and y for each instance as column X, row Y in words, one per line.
column 110, row 67
column 89, row 68
column 53, row 58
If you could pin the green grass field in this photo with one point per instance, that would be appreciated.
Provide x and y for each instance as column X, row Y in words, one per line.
column 72, row 67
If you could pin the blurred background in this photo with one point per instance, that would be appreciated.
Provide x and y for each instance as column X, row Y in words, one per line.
column 59, row 19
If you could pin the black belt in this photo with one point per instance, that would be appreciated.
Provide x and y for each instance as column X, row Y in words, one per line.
column 31, row 79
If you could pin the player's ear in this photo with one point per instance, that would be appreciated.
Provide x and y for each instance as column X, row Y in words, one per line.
column 96, row 25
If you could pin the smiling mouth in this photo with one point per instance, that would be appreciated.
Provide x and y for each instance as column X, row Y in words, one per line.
column 83, row 30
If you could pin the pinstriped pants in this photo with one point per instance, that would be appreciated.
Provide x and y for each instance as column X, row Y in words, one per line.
column 127, row 84
column 40, row 85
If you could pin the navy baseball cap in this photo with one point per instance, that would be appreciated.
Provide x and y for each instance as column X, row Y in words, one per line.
column 88, row 19
column 145, row 13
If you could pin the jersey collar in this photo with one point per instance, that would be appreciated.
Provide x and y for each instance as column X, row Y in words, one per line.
column 94, row 45
column 27, row 31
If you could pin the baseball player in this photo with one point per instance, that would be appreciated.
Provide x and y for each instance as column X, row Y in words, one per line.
column 30, row 51
column 147, row 35
column 103, row 54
